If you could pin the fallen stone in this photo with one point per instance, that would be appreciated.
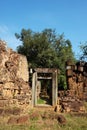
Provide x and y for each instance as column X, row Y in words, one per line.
column 12, row 120
column 61, row 119
column 23, row 119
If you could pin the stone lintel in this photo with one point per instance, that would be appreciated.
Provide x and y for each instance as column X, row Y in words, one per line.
column 46, row 70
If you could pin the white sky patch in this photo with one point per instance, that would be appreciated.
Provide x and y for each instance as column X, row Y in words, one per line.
column 7, row 36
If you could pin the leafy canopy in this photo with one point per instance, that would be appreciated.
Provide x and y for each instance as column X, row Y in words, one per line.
column 45, row 49
column 83, row 48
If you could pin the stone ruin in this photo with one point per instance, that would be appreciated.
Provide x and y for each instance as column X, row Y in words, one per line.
column 77, row 79
column 15, row 90
column 73, row 98
column 14, row 79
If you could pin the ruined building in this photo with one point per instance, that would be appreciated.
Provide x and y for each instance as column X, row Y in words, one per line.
column 14, row 77
column 15, row 90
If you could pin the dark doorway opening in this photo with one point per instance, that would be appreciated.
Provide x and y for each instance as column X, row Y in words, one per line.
column 45, row 95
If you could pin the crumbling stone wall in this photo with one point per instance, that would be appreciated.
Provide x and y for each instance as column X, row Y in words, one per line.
column 72, row 98
column 77, row 79
column 14, row 78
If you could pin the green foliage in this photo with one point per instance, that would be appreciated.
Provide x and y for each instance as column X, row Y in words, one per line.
column 45, row 49
column 62, row 82
column 83, row 48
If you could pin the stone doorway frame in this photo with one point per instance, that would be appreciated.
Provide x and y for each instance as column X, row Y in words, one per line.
column 54, row 78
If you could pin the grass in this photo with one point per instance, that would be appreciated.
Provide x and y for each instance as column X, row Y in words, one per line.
column 44, row 100
column 37, row 122
column 73, row 123
column 40, row 101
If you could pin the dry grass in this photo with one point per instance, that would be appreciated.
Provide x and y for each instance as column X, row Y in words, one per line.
column 46, row 120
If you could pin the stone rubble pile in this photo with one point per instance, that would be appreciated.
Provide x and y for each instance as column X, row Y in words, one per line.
column 14, row 78
column 69, row 102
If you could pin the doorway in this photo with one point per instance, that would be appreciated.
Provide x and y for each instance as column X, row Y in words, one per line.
column 44, row 92
column 44, row 86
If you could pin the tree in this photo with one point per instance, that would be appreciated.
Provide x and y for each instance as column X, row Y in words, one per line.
column 83, row 48
column 64, row 52
column 45, row 49
column 37, row 47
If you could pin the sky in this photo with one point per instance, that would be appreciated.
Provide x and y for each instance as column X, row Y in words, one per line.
column 65, row 16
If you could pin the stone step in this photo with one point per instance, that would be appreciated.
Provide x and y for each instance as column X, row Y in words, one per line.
column 44, row 107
